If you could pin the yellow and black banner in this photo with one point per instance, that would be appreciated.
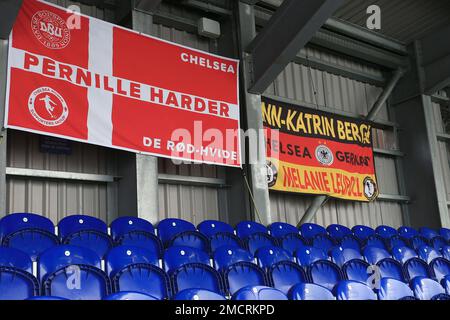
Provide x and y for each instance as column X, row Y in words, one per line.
column 315, row 152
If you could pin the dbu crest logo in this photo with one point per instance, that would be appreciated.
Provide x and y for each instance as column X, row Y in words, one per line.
column 50, row 29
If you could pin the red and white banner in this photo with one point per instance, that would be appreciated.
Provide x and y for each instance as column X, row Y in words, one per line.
column 98, row 83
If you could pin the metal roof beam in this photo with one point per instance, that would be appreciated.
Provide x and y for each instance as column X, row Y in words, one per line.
column 9, row 10
column 289, row 29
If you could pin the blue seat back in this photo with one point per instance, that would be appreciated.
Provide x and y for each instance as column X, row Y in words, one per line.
column 16, row 284
column 75, row 223
column 14, row 258
column 259, row 293
column 396, row 241
column 141, row 239
column 246, row 228
column 325, row 273
column 129, row 295
column 309, row 230
column 175, row 257
column 225, row 256
column 92, row 239
column 307, row 255
column 338, row 231
column 375, row 241
column 143, row 278
column 362, row 232
column 309, row 291
column 198, row 294
column 291, row 242
column 62, row 256
column 123, row 225
column 340, row 255
column 211, row 227
column 19, row 221
column 124, row 255
column 438, row 243
column 418, row 241
column 390, row 268
column 446, row 252
column 428, row 254
column 440, row 268
column 192, row 239
column 407, row 232
column 426, row 289
column 357, row 270
column 259, row 240
column 353, row 290
column 403, row 254
column 428, row 232
column 267, row 256
column 385, row 232
column 168, row 228
column 242, row 274
column 392, row 289
column 374, row 254
column 281, row 229
column 285, row 274
column 323, row 241
column 197, row 276
column 445, row 232
column 350, row 242
column 224, row 239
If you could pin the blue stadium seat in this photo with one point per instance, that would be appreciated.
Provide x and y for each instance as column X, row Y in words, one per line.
column 225, row 256
column 310, row 291
column 16, row 284
column 175, row 257
column 338, row 231
column 445, row 232
column 392, row 289
column 123, row 256
column 211, row 227
column 198, row 294
column 258, row 293
column 428, row 289
column 242, row 274
column 362, row 232
column 224, row 239
column 374, row 254
column 428, row 233
column 416, row 267
column 357, row 270
column 446, row 252
column 407, row 232
column 192, row 239
column 438, row 243
column 428, row 254
column 291, row 242
column 14, row 258
column 279, row 230
column 396, row 241
column 350, row 242
column 168, row 228
column 196, row 276
column 309, row 230
column 124, row 225
column 246, row 228
column 307, row 255
column 418, row 241
column 259, row 240
column 129, row 295
column 375, row 241
column 285, row 274
column 446, row 284
column 390, row 268
column 385, row 232
column 325, row 273
column 440, row 268
column 73, row 273
column 323, row 241
column 340, row 255
column 267, row 256
column 76, row 223
column 353, row 290
column 142, row 239
column 95, row 240
column 28, row 232
column 403, row 254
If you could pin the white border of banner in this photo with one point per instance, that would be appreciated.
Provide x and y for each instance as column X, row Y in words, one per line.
column 8, row 89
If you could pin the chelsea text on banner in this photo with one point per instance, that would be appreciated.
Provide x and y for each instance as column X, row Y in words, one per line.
column 106, row 85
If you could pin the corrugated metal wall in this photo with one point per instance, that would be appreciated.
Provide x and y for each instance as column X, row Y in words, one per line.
column 298, row 83
column 58, row 198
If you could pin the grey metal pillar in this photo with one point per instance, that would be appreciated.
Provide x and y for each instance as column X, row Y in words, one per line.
column 3, row 133
column 146, row 166
column 316, row 204
column 258, row 171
